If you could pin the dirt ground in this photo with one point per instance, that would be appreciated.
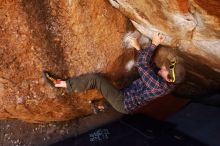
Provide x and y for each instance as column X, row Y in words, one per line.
column 19, row 133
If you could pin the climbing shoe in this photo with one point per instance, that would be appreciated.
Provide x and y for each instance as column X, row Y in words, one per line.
column 99, row 106
column 51, row 80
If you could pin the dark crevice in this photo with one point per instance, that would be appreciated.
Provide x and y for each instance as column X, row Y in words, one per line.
column 44, row 32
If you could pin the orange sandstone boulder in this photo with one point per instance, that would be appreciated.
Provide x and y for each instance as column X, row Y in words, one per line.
column 74, row 37
column 192, row 30
column 67, row 38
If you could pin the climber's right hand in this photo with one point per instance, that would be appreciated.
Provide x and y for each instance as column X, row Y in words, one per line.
column 158, row 38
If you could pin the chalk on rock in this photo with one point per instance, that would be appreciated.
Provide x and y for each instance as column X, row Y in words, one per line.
column 128, row 36
column 129, row 65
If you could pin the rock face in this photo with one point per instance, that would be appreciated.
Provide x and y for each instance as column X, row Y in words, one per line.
column 192, row 29
column 74, row 37
column 67, row 38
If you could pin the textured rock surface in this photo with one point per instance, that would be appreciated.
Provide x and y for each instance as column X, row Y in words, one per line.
column 65, row 37
column 192, row 28
column 74, row 37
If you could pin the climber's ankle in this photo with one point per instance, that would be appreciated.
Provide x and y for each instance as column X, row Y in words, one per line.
column 60, row 84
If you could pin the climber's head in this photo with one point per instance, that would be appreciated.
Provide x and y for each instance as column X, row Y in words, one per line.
column 172, row 72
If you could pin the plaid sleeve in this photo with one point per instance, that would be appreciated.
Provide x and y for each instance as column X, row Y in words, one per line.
column 148, row 76
column 145, row 56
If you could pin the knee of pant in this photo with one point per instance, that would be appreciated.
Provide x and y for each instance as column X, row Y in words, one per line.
column 96, row 77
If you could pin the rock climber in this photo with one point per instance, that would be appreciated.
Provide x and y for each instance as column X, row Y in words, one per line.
column 153, row 82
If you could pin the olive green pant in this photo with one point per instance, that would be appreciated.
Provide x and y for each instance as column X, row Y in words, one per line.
column 94, row 81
